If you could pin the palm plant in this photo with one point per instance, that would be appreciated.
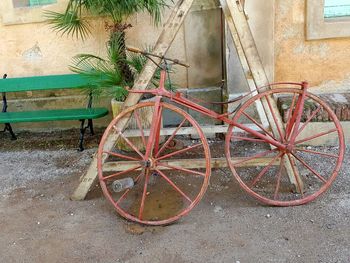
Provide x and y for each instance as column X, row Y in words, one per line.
column 119, row 69
column 106, row 75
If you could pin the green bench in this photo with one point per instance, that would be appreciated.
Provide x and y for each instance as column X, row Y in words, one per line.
column 53, row 82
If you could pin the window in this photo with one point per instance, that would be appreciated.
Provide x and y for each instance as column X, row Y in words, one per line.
column 336, row 8
column 15, row 12
column 328, row 19
column 25, row 3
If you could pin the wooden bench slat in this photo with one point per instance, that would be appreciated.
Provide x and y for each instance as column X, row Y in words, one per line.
column 52, row 115
column 52, row 82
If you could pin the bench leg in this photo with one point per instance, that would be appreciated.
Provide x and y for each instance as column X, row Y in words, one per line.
column 82, row 133
column 9, row 129
column 91, row 126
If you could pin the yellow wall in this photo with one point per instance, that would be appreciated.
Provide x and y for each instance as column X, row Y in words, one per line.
column 29, row 47
column 33, row 49
column 324, row 63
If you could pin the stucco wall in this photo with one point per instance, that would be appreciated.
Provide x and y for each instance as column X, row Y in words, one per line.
column 324, row 63
column 33, row 49
column 28, row 47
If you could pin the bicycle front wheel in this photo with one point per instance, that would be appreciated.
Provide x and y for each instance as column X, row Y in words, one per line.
column 167, row 185
column 295, row 175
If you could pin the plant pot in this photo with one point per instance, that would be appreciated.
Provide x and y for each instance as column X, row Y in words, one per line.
column 146, row 115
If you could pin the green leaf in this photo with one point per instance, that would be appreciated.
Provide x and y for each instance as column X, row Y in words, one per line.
column 68, row 23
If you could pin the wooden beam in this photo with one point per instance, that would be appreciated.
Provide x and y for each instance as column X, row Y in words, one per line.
column 244, row 41
column 244, row 63
column 189, row 130
column 190, row 163
column 164, row 42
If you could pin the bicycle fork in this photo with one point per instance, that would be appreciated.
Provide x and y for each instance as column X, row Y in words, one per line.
column 151, row 149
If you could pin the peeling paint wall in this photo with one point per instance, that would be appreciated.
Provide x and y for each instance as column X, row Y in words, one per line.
column 324, row 63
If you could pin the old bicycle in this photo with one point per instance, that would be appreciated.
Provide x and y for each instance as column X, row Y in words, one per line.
column 154, row 173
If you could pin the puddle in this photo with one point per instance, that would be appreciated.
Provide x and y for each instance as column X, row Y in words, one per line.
column 162, row 202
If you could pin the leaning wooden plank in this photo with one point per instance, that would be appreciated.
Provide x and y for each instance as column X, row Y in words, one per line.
column 188, row 130
column 244, row 63
column 190, row 163
column 165, row 40
column 238, row 25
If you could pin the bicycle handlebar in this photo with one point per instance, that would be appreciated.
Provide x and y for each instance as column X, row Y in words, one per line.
column 139, row 51
column 134, row 49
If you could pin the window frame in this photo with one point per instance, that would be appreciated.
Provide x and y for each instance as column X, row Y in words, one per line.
column 319, row 27
column 41, row 4
column 26, row 15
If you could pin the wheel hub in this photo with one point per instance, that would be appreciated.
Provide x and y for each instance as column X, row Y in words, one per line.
column 150, row 163
column 289, row 148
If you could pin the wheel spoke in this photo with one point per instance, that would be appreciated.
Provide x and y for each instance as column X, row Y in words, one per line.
column 174, row 186
column 129, row 143
column 260, row 126
column 309, row 120
column 318, row 153
column 279, row 176
column 254, row 157
column 121, row 173
column 144, row 194
column 316, row 136
column 296, row 117
column 264, row 171
column 170, row 138
column 289, row 128
column 157, row 131
column 180, row 151
column 172, row 167
column 127, row 191
column 139, row 124
column 275, row 118
column 122, row 197
column 122, row 156
column 310, row 169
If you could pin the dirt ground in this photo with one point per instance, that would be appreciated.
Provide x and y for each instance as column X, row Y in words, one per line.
column 39, row 223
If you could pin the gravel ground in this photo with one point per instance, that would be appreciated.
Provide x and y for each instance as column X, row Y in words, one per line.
column 40, row 166
column 39, row 223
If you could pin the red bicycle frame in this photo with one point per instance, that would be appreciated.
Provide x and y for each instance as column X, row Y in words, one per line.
column 178, row 98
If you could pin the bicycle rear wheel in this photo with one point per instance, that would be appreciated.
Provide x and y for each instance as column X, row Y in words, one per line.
column 164, row 187
column 317, row 153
